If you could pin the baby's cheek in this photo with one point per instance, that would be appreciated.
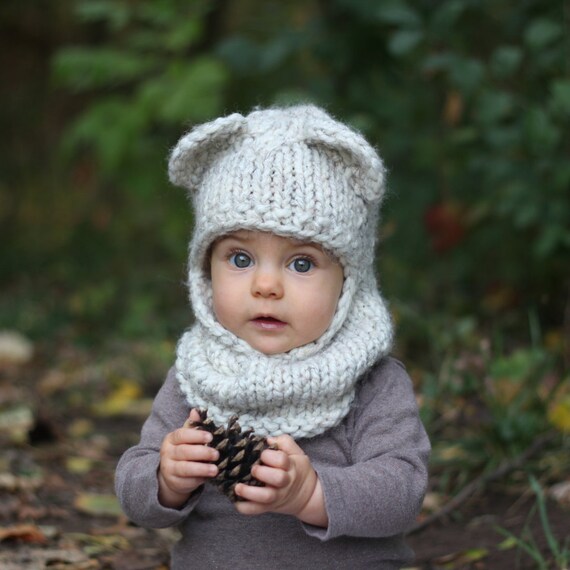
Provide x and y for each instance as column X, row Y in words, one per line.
column 317, row 316
column 224, row 310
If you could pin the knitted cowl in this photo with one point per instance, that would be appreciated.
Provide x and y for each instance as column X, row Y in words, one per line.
column 295, row 172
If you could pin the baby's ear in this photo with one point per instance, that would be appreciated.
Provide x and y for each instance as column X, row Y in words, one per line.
column 364, row 168
column 196, row 150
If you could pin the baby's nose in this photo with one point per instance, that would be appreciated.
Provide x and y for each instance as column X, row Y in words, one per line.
column 267, row 283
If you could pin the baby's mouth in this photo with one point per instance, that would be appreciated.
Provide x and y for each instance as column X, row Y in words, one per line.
column 268, row 323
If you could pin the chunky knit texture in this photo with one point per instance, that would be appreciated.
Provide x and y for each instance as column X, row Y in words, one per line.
column 295, row 172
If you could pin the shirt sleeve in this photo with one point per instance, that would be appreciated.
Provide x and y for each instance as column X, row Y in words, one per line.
column 380, row 493
column 136, row 479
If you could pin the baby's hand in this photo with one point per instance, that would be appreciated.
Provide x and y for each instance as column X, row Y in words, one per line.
column 291, row 485
column 185, row 464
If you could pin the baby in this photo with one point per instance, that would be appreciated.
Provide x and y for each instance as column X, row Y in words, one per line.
column 293, row 336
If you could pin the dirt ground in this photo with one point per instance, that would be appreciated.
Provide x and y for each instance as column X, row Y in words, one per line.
column 57, row 509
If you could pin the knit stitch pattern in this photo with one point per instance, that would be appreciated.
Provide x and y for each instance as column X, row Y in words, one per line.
column 295, row 172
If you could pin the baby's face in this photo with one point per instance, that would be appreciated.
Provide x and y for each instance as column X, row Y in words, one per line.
column 273, row 292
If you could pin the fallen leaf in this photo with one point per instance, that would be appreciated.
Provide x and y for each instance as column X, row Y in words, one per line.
column 99, row 505
column 53, row 381
column 15, row 423
column 23, row 533
column 11, row 482
column 14, row 348
column 93, row 545
column 54, row 559
column 559, row 414
column 461, row 559
column 452, row 452
column 80, row 428
column 561, row 493
column 79, row 465
column 120, row 401
column 433, row 502
column 508, row 544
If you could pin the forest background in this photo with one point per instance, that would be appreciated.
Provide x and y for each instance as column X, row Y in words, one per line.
column 468, row 102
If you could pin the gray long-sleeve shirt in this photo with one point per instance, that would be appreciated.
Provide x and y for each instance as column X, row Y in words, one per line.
column 373, row 472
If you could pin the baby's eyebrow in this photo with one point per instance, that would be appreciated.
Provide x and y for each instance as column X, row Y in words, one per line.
column 308, row 244
column 244, row 237
column 301, row 243
column 234, row 237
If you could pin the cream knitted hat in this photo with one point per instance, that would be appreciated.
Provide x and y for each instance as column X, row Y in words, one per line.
column 295, row 172
column 292, row 171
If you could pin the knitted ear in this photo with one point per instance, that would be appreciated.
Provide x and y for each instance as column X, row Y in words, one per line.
column 364, row 167
column 196, row 150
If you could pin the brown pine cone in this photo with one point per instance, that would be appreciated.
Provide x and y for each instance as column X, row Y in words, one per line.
column 239, row 452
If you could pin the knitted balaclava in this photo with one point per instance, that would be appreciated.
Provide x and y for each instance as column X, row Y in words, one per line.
column 295, row 172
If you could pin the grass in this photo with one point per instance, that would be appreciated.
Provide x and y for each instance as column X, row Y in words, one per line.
column 558, row 552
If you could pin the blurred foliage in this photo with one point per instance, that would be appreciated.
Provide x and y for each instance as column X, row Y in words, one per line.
column 106, row 235
column 473, row 127
column 468, row 102
column 146, row 83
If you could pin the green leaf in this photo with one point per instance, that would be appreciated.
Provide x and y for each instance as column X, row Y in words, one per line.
column 508, row 544
column 88, row 68
column 541, row 134
column 446, row 15
column 549, row 239
column 240, row 53
column 275, row 52
column 183, row 35
column 467, row 74
column 503, row 138
column 194, row 91
column 505, row 61
column 560, row 98
column 116, row 14
column 397, row 13
column 541, row 33
column 493, row 106
column 474, row 554
column 437, row 62
column 109, row 126
column 404, row 41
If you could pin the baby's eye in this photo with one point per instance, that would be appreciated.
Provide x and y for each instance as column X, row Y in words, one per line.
column 301, row 265
column 240, row 260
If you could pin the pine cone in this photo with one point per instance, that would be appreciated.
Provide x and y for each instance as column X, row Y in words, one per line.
column 239, row 452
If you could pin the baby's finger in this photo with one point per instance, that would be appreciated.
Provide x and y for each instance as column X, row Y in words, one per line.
column 193, row 469
column 190, row 435
column 194, row 453
column 270, row 476
column 277, row 459
column 260, row 495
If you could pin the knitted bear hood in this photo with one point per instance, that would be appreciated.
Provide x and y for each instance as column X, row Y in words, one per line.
column 295, row 172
